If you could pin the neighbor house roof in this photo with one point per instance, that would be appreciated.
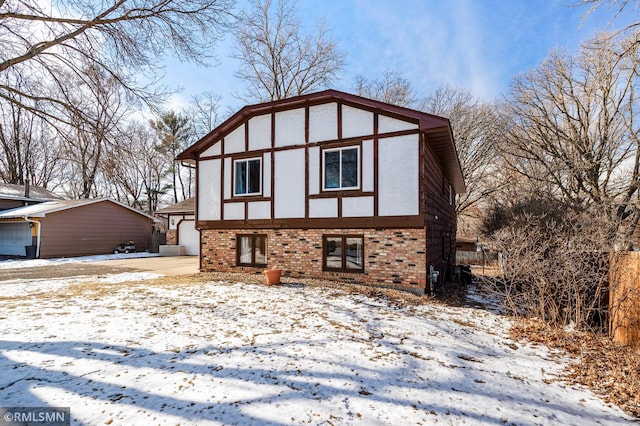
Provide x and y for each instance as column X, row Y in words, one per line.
column 437, row 129
column 49, row 207
column 187, row 206
column 9, row 191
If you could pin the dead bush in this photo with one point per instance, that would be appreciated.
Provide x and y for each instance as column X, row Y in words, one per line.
column 555, row 266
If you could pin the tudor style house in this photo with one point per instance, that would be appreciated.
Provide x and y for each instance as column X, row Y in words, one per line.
column 329, row 185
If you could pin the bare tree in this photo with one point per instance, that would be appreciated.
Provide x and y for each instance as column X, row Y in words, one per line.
column 205, row 113
column 140, row 180
column 575, row 118
column 45, row 43
column 277, row 59
column 477, row 131
column 392, row 88
column 103, row 102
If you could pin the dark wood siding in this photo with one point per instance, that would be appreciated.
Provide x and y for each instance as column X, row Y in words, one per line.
column 93, row 229
column 439, row 214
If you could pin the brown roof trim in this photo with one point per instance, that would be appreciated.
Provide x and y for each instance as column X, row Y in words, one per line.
column 437, row 129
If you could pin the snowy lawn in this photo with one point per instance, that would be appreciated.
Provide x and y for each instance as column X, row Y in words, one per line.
column 179, row 351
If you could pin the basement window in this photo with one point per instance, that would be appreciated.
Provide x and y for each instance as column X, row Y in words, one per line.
column 343, row 253
column 251, row 250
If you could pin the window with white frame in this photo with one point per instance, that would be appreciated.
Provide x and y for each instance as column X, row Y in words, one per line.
column 341, row 168
column 247, row 176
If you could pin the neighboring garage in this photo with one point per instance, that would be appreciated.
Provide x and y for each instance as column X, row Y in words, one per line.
column 182, row 226
column 69, row 228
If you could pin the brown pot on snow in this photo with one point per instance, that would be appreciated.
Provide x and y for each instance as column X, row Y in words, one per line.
column 272, row 276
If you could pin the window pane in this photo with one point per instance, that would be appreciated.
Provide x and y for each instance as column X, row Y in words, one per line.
column 332, row 169
column 334, row 252
column 349, row 168
column 245, row 250
column 241, row 177
column 261, row 250
column 254, row 176
column 354, row 257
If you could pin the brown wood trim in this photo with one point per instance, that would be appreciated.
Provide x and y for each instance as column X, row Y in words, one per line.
column 222, row 180
column 343, row 194
column 306, row 162
column 334, row 143
column 376, row 198
column 246, row 135
column 339, row 120
column 421, row 174
column 247, row 199
column 415, row 222
column 273, row 164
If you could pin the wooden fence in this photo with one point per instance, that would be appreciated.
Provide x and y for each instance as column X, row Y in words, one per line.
column 624, row 298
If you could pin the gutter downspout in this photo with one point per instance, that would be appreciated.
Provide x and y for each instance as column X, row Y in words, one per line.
column 37, row 224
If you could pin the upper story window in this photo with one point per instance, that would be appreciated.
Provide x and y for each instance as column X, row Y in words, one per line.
column 340, row 168
column 248, row 176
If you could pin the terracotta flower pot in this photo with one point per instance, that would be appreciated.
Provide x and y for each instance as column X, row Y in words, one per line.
column 272, row 276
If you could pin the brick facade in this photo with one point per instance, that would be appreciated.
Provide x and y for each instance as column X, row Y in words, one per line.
column 394, row 258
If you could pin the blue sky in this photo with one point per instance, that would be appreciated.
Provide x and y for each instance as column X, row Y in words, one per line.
column 478, row 45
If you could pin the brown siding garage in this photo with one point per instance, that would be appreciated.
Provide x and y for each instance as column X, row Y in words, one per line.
column 85, row 227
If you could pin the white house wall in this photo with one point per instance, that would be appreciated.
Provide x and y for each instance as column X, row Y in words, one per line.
column 209, row 190
column 325, row 207
column 367, row 166
column 260, row 132
column 234, row 211
column 289, row 184
column 398, row 176
column 323, row 125
column 390, row 124
column 215, row 149
column 234, row 141
column 397, row 156
column 356, row 122
column 290, row 127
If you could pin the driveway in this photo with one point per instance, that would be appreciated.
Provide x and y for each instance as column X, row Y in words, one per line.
column 177, row 265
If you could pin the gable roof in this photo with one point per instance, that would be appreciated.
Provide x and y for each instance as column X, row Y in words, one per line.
column 9, row 191
column 187, row 206
column 49, row 207
column 436, row 129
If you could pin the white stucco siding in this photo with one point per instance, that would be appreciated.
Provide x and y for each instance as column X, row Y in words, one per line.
column 398, row 176
column 234, row 141
column 290, row 128
column 266, row 175
column 323, row 122
column 356, row 122
column 367, row 166
column 323, row 207
column 260, row 132
column 289, row 183
column 215, row 149
column 209, row 190
column 227, row 178
column 234, row 211
column 357, row 207
column 314, row 171
column 389, row 124
column 260, row 210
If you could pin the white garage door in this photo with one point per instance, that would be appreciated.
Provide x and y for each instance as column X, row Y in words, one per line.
column 14, row 237
column 189, row 237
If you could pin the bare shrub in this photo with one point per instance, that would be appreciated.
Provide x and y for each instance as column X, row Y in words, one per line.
column 555, row 264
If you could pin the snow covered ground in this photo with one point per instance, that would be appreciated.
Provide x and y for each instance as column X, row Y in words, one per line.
column 32, row 263
column 126, row 350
